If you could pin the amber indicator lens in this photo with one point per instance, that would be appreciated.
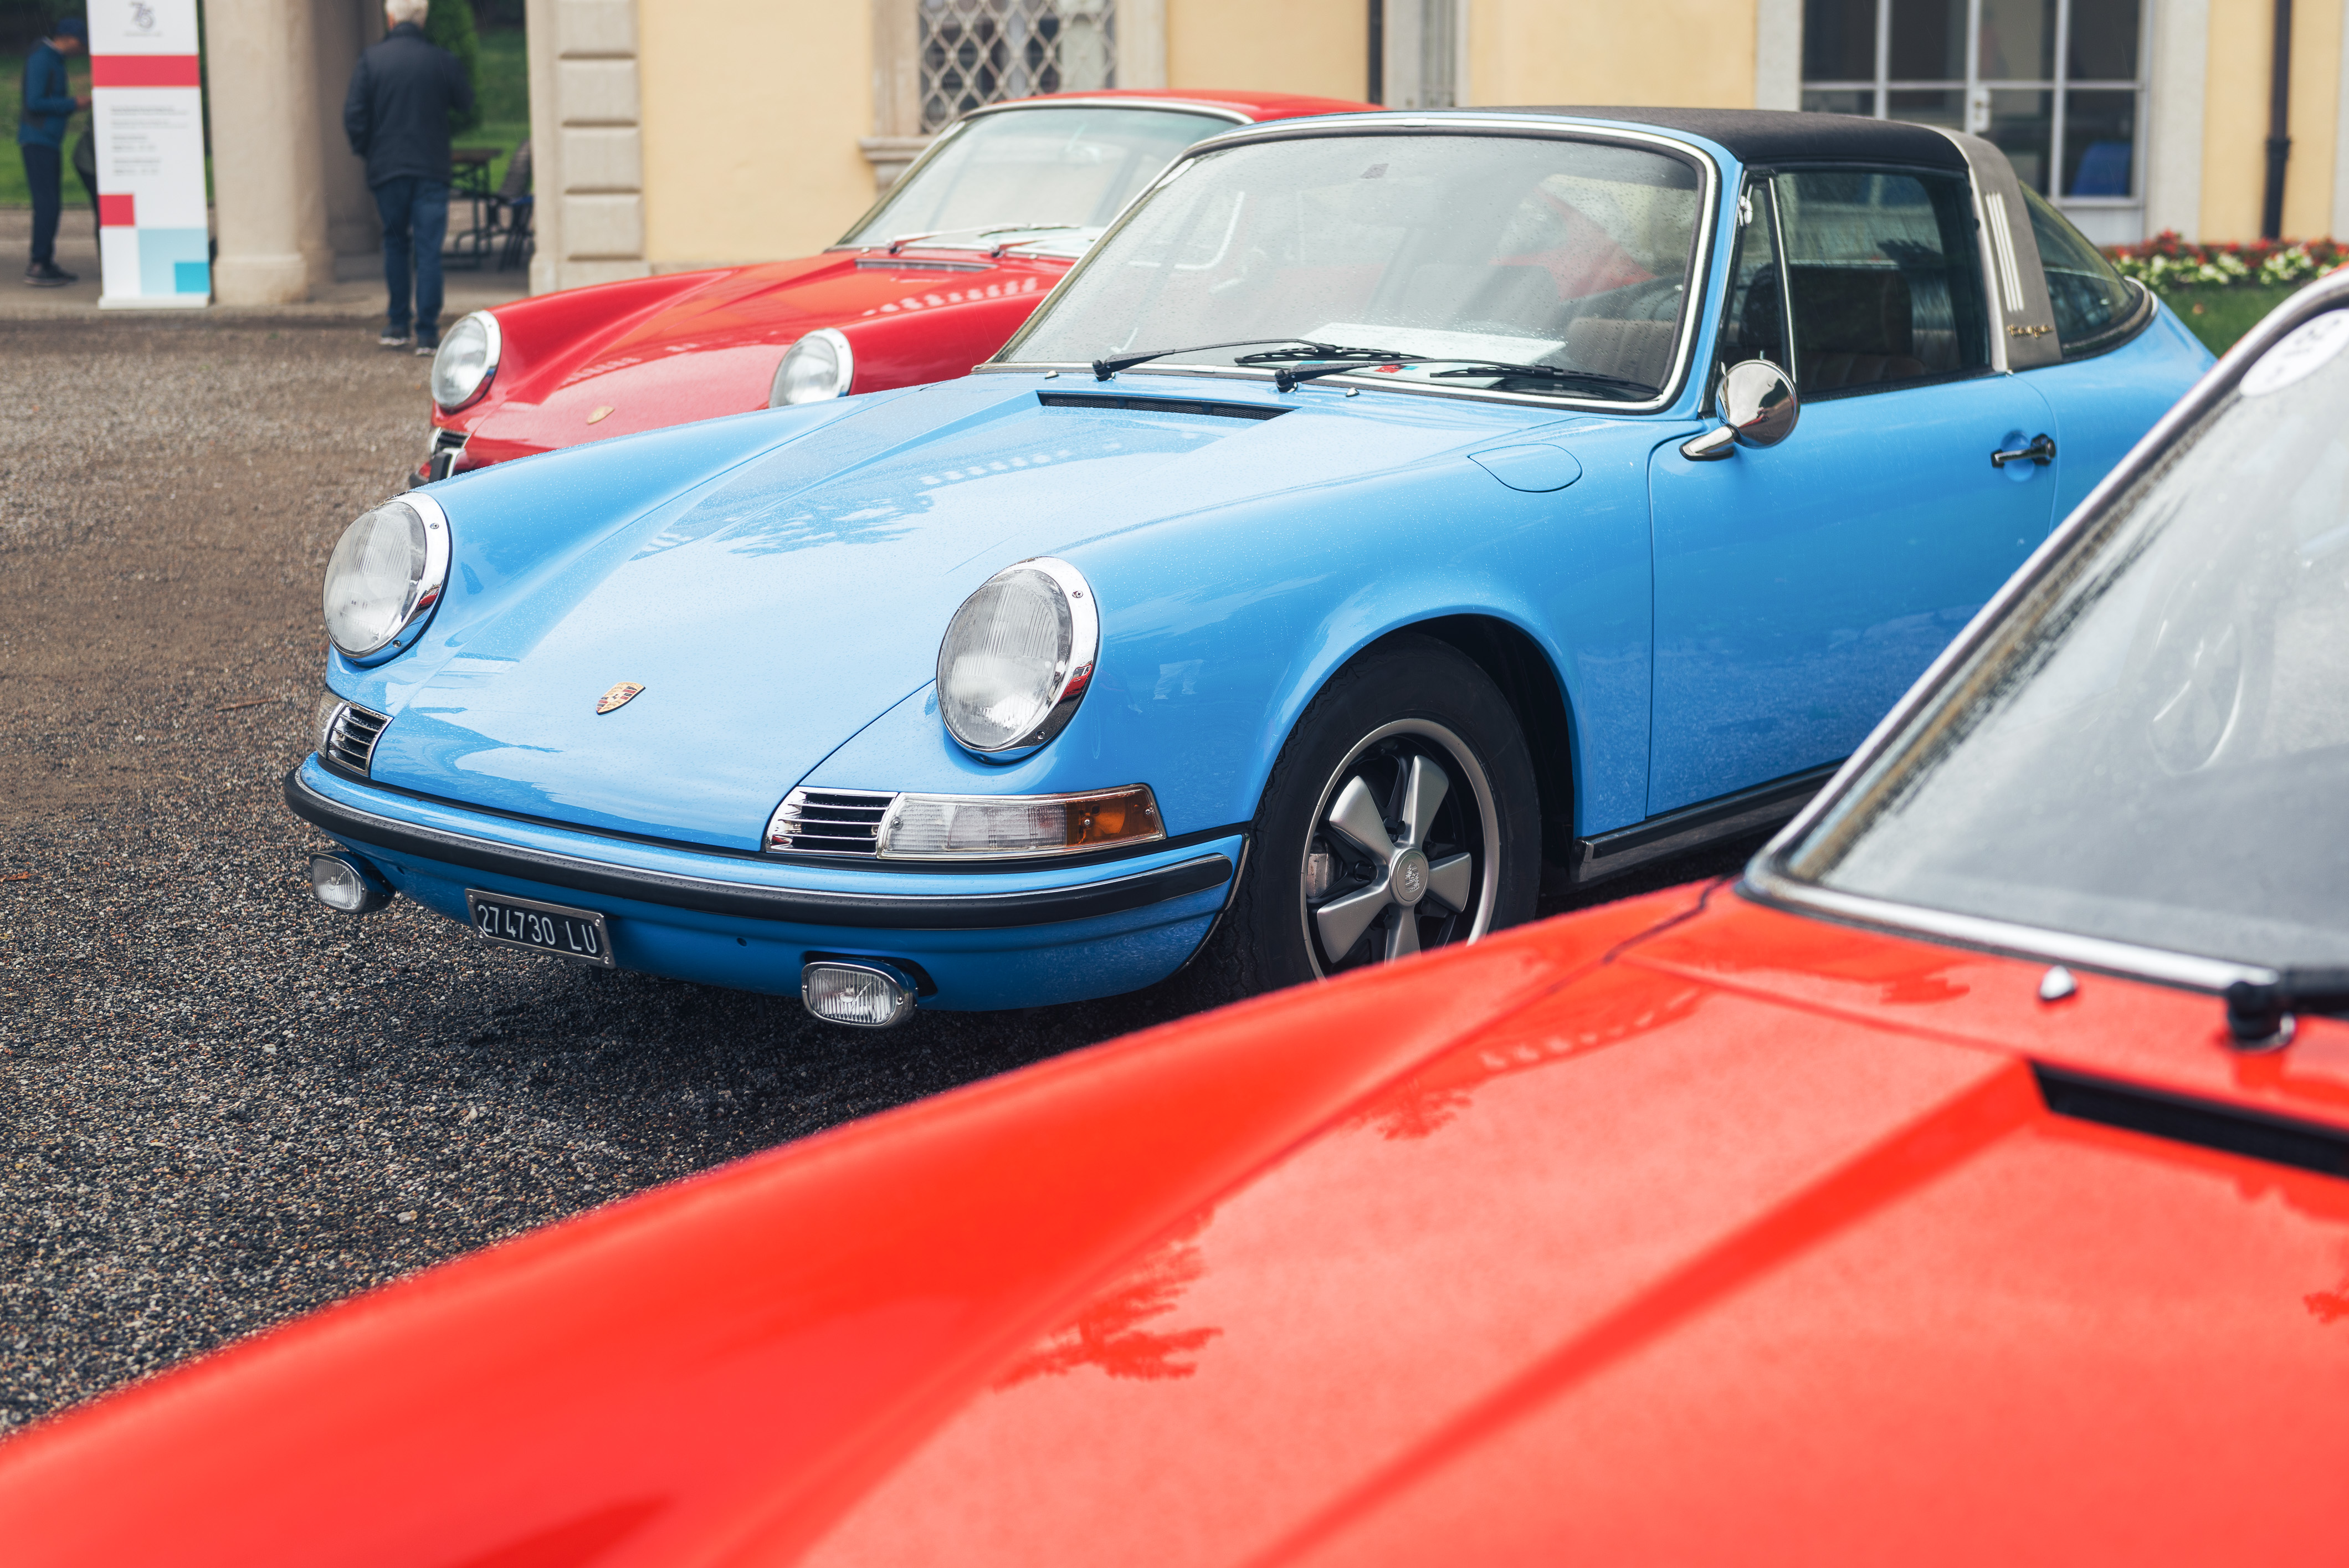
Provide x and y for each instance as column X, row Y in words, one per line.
column 951, row 826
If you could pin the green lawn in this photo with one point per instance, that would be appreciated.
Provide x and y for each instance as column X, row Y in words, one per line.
column 505, row 101
column 2221, row 315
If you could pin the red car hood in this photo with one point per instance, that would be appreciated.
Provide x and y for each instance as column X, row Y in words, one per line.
column 1667, row 1231
column 658, row 351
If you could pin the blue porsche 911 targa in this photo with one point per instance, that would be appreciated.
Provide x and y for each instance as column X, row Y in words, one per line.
column 1392, row 516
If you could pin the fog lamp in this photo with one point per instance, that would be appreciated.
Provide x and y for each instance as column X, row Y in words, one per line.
column 349, row 884
column 863, row 995
column 975, row 827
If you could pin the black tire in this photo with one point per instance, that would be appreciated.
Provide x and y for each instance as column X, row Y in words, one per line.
column 1410, row 697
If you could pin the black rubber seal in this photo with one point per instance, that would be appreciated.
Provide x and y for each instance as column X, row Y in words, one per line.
column 889, row 911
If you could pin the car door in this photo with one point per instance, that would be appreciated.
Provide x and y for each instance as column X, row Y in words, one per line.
column 1800, row 589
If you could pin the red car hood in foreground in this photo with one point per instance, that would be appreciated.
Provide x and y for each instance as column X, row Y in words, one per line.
column 1671, row 1231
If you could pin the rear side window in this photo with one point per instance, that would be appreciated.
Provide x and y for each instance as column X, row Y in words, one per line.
column 2095, row 308
column 1885, row 278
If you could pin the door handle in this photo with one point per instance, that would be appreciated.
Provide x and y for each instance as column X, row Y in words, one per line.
column 2040, row 450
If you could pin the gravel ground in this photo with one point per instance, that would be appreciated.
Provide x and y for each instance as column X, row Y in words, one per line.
column 220, row 1106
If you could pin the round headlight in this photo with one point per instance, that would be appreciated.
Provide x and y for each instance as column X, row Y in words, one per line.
column 819, row 366
column 386, row 572
column 1017, row 656
column 467, row 358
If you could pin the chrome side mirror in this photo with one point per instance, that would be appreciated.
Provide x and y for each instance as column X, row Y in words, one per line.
column 1758, row 409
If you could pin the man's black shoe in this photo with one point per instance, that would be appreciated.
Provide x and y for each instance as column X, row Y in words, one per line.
column 47, row 274
column 388, row 338
column 427, row 343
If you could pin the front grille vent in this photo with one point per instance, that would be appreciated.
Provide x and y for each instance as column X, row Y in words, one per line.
column 1213, row 411
column 829, row 822
column 351, row 738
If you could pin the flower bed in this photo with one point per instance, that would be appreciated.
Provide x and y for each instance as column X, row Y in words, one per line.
column 2166, row 262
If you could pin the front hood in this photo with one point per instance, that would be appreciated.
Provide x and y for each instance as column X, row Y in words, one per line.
column 710, row 347
column 1540, row 1252
column 774, row 612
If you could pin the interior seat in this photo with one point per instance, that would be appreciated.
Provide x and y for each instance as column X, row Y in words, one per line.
column 1854, row 325
column 1635, row 350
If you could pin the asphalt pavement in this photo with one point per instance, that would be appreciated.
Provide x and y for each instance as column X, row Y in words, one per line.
column 220, row 1104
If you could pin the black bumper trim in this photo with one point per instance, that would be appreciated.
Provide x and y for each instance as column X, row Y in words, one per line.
column 890, row 911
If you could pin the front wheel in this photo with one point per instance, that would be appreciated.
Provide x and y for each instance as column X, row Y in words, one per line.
column 1401, row 816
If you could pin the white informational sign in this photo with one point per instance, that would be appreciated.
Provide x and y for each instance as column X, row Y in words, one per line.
column 147, row 104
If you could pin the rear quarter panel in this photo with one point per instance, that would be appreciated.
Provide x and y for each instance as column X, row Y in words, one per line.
column 2104, row 405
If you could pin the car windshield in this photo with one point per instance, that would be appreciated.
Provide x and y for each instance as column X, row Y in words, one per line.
column 1449, row 251
column 1063, row 171
column 2153, row 745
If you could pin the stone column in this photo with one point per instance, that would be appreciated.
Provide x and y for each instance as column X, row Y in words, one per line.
column 268, row 193
column 344, row 27
column 586, row 143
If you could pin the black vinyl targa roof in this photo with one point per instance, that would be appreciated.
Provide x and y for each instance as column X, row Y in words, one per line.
column 1771, row 136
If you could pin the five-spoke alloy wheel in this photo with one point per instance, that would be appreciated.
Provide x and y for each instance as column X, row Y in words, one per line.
column 1402, row 815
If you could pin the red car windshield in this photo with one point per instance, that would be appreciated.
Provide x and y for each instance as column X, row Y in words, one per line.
column 1050, row 167
column 1461, row 254
column 2153, row 745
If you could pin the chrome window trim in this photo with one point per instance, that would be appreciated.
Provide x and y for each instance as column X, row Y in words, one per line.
column 1701, row 263
column 1768, row 879
column 1076, row 680
column 496, row 348
column 1217, row 111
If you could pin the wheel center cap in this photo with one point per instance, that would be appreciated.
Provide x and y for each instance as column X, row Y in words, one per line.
column 1409, row 879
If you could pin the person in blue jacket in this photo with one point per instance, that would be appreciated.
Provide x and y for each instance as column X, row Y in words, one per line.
column 397, row 117
column 49, row 103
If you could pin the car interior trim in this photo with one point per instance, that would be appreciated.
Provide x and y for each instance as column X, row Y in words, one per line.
column 2181, row 1118
column 897, row 911
column 1769, row 878
column 1479, row 123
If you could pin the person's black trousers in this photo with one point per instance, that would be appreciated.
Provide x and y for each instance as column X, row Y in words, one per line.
column 43, row 172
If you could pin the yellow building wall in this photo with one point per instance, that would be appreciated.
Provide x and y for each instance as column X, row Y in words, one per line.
column 751, row 111
column 2235, row 117
column 1320, row 48
column 1686, row 52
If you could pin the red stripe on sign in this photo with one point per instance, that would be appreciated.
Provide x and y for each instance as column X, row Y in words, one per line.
column 143, row 71
column 117, row 212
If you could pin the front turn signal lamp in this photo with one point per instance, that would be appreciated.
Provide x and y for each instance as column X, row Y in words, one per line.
column 971, row 827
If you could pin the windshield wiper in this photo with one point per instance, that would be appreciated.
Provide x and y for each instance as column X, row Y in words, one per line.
column 1103, row 368
column 1548, row 373
column 2259, row 1016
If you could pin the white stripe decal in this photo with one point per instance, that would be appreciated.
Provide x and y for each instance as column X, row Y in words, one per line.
column 2010, row 279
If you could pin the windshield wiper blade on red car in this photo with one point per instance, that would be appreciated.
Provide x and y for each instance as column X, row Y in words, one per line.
column 2259, row 1014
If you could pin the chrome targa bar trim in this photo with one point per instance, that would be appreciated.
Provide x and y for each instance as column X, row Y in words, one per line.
column 894, row 912
column 1769, row 879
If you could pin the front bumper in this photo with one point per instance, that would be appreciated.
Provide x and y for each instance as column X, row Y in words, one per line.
column 987, row 939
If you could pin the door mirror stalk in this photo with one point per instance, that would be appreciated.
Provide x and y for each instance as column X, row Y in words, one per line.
column 1758, row 409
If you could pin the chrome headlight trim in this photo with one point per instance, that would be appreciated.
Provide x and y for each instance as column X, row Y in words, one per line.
column 844, row 379
column 426, row 590
column 1073, row 675
column 491, row 354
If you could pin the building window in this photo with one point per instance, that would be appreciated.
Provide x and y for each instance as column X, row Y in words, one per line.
column 976, row 52
column 2059, row 84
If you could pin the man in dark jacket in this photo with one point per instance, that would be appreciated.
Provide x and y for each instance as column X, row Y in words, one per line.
column 49, row 103
column 397, row 117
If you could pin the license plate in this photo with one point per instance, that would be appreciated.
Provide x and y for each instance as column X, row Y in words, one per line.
column 541, row 928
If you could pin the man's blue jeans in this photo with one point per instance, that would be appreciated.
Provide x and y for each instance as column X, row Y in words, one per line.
column 415, row 215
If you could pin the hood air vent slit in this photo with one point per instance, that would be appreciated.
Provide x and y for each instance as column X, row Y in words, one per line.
column 2230, row 1129
column 1158, row 405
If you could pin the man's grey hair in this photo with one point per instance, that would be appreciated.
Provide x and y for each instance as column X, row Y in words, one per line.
column 407, row 11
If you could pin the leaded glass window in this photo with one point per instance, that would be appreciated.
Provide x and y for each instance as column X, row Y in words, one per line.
column 977, row 52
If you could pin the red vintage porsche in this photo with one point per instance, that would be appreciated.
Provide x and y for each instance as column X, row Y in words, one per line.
column 931, row 281
column 1968, row 1183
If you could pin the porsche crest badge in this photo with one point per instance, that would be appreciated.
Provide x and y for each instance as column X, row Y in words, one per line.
column 619, row 696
